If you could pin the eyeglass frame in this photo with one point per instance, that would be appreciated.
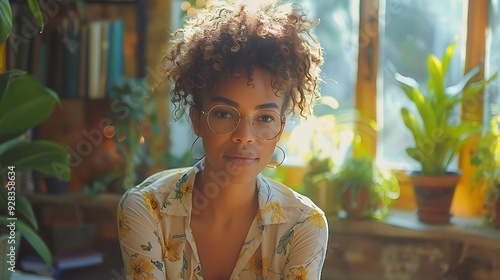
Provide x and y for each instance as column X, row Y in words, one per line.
column 283, row 120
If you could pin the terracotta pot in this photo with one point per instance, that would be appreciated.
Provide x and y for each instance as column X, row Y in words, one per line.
column 357, row 204
column 434, row 195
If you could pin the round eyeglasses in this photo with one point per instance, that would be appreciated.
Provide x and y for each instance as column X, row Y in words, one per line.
column 266, row 124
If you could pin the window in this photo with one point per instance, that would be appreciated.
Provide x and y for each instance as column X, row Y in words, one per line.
column 408, row 31
column 492, row 93
column 411, row 31
column 338, row 34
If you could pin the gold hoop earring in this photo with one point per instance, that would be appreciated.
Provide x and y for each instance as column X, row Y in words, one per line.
column 192, row 146
column 282, row 160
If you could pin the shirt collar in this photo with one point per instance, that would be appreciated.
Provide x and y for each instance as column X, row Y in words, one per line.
column 180, row 200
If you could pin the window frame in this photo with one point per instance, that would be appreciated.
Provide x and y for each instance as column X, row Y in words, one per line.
column 465, row 203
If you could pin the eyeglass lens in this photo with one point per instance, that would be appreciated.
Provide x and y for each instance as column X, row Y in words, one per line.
column 266, row 124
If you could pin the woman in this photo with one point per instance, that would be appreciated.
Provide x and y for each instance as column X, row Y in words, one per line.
column 240, row 68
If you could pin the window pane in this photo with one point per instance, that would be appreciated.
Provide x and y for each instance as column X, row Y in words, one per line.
column 492, row 92
column 338, row 35
column 411, row 31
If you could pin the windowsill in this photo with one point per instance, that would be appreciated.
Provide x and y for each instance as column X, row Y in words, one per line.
column 404, row 224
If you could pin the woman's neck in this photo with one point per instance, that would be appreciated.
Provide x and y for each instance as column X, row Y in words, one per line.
column 219, row 199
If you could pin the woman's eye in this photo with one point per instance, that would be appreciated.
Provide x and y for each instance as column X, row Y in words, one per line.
column 223, row 114
column 266, row 118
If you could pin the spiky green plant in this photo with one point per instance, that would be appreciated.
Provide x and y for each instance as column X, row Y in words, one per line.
column 437, row 139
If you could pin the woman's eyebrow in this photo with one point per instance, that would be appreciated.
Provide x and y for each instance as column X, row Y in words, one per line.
column 236, row 105
column 268, row 106
column 225, row 100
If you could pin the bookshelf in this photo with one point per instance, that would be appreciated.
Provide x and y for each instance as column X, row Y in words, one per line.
column 83, row 111
column 73, row 55
column 79, row 116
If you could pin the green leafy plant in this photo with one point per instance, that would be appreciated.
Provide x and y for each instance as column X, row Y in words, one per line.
column 360, row 175
column 486, row 159
column 324, row 141
column 134, row 101
column 437, row 139
column 25, row 103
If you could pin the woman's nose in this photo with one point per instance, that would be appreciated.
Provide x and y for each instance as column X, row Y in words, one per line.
column 244, row 132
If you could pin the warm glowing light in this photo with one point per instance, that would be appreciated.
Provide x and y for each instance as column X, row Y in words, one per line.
column 122, row 137
column 200, row 3
column 191, row 12
column 109, row 131
column 185, row 5
column 141, row 140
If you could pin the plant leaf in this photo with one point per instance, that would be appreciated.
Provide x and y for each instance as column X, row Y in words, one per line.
column 445, row 60
column 3, row 198
column 45, row 156
column 23, row 206
column 5, row 21
column 5, row 80
column 33, row 239
column 37, row 14
column 458, row 88
column 329, row 101
column 25, row 104
column 437, row 77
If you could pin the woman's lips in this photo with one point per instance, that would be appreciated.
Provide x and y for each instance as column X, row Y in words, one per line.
column 240, row 161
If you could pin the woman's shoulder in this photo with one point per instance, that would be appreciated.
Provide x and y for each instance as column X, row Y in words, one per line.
column 161, row 183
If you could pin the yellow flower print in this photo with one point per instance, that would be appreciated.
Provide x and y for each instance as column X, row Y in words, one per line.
column 297, row 273
column 186, row 189
column 259, row 217
column 315, row 216
column 123, row 226
column 140, row 269
column 258, row 265
column 153, row 206
column 170, row 249
column 275, row 208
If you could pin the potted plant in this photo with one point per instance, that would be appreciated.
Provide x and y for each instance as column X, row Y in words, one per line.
column 133, row 128
column 317, row 186
column 24, row 103
column 365, row 189
column 323, row 141
column 486, row 159
column 436, row 138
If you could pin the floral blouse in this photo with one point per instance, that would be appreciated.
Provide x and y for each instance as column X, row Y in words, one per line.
column 287, row 239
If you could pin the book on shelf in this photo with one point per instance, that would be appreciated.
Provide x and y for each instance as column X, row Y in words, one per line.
column 78, row 259
column 83, row 63
column 103, row 75
column 55, row 74
column 34, row 263
column 94, row 59
column 19, row 42
column 72, row 45
column 116, row 66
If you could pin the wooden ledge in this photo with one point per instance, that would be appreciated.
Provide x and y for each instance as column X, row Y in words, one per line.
column 404, row 224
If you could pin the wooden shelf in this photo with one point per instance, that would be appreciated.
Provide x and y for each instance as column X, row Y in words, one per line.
column 404, row 224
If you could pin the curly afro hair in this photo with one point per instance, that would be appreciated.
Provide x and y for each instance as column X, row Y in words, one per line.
column 225, row 38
